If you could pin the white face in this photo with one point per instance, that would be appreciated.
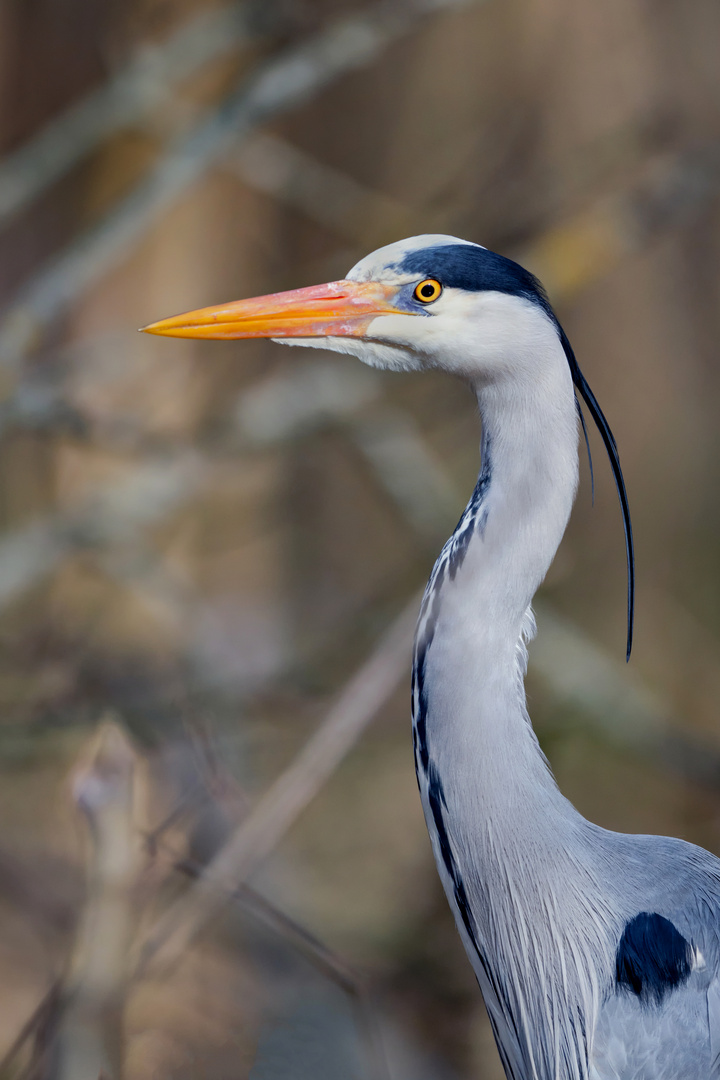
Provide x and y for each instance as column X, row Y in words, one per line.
column 480, row 335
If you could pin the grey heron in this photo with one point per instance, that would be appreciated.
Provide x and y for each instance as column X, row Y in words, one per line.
column 597, row 953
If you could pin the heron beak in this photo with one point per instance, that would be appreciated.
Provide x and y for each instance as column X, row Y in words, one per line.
column 340, row 308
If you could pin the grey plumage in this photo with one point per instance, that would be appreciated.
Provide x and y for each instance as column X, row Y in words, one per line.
column 597, row 953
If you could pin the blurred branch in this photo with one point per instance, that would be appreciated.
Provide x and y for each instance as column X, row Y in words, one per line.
column 567, row 256
column 326, row 195
column 283, row 83
column 38, row 1026
column 588, row 684
column 90, row 1042
column 321, row 957
column 257, row 905
column 331, row 965
column 324, row 959
column 116, row 515
column 145, row 83
column 362, row 697
column 611, row 697
column 571, row 254
column 409, row 472
column 300, row 399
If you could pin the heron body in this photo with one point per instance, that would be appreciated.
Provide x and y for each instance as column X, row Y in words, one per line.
column 597, row 953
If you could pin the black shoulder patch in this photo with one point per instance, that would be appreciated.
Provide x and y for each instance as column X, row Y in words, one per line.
column 474, row 268
column 652, row 958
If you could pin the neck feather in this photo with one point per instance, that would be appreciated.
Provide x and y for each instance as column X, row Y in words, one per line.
column 470, row 651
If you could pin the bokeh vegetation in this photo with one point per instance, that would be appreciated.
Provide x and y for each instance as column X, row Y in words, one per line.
column 204, row 547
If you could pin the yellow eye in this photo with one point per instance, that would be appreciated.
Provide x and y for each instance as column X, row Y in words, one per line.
column 427, row 291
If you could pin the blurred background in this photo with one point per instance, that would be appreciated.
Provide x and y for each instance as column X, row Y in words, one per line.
column 210, row 553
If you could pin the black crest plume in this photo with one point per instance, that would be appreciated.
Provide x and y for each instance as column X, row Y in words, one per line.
column 610, row 445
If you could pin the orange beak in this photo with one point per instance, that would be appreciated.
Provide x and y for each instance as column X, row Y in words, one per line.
column 340, row 308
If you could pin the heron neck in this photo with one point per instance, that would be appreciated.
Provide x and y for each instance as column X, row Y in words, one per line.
column 529, row 477
column 470, row 645
column 507, row 843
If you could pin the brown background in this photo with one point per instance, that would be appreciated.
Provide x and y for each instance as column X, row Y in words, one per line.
column 208, row 539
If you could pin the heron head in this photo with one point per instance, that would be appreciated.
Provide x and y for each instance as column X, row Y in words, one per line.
column 427, row 302
column 430, row 301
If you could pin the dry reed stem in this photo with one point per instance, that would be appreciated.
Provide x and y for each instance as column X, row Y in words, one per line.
column 90, row 1032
